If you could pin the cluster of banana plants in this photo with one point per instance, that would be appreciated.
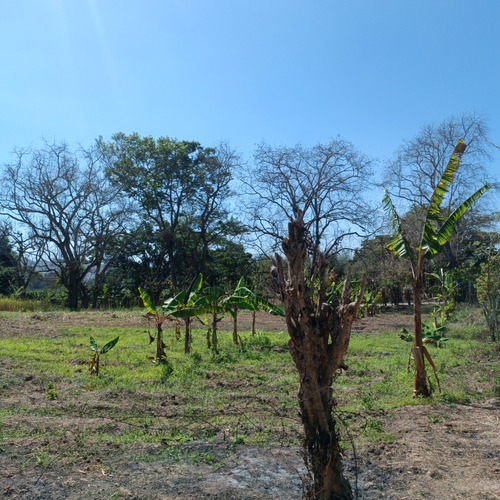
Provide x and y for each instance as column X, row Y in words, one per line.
column 197, row 304
column 371, row 298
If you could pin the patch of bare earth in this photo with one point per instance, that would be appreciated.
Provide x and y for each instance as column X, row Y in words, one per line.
column 439, row 452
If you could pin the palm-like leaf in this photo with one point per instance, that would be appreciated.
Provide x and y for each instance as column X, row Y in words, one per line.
column 434, row 210
column 251, row 301
column 148, row 303
column 448, row 227
column 106, row 347
column 173, row 303
column 195, row 288
column 429, row 243
column 188, row 312
column 399, row 244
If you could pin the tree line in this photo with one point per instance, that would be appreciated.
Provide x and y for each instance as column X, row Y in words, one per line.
column 153, row 213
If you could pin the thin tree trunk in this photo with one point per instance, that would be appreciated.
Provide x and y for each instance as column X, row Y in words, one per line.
column 254, row 315
column 209, row 342
column 160, row 346
column 177, row 330
column 420, row 383
column 187, row 336
column 214, row 333
column 72, row 290
column 235, row 326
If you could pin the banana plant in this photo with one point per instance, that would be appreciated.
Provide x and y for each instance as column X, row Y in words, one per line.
column 159, row 315
column 216, row 306
column 187, row 305
column 435, row 233
column 371, row 302
column 244, row 298
column 94, row 361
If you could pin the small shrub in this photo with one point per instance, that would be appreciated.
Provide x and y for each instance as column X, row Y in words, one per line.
column 52, row 394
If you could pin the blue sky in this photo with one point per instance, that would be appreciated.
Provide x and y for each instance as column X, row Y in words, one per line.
column 283, row 71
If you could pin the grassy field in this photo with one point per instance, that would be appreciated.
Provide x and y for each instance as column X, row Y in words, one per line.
column 53, row 413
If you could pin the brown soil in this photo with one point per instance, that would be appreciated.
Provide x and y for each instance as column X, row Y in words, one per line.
column 437, row 452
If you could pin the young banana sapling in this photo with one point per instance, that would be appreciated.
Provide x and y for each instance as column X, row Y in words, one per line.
column 94, row 361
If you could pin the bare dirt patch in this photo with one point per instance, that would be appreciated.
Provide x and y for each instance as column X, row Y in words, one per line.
column 438, row 452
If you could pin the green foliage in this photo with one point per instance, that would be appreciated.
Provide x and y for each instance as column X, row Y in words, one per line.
column 148, row 303
column 180, row 189
column 435, row 233
column 159, row 315
column 444, row 292
column 371, row 298
column 7, row 263
column 371, row 302
column 430, row 335
column 431, row 239
column 52, row 394
column 94, row 361
column 244, row 298
column 488, row 292
column 385, row 272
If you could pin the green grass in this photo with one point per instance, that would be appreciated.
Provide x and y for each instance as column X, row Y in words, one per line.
column 18, row 305
column 242, row 395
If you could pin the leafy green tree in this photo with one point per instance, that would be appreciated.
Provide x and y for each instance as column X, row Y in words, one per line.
column 7, row 262
column 180, row 190
column 384, row 271
column 434, row 234
column 488, row 290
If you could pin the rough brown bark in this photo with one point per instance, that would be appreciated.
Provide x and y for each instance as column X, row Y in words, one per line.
column 319, row 336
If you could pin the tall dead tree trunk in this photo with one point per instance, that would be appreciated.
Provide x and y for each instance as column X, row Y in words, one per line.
column 319, row 336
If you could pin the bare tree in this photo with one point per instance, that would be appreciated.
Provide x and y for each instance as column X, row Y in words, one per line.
column 67, row 207
column 326, row 182
column 419, row 163
column 312, row 198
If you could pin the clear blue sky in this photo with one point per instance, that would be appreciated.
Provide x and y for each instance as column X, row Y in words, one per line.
column 283, row 71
